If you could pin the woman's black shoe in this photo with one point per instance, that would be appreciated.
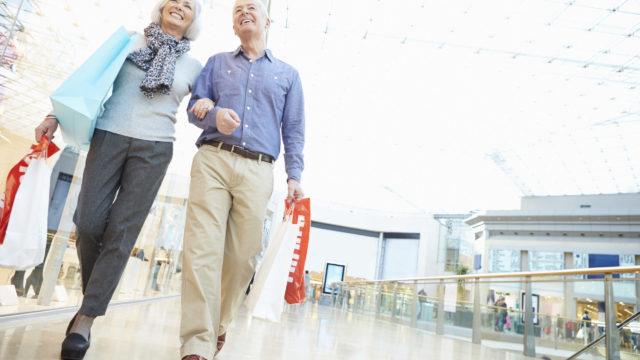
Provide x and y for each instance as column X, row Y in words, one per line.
column 75, row 346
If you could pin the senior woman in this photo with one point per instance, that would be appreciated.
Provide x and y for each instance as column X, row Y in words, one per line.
column 128, row 156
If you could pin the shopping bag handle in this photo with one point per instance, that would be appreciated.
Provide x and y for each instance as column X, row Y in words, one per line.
column 41, row 148
column 289, row 207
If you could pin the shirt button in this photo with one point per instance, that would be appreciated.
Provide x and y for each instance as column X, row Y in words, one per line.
column 251, row 74
column 250, row 91
column 244, row 143
column 248, row 107
column 246, row 126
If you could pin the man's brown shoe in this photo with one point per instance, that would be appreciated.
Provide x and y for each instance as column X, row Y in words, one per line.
column 221, row 339
column 193, row 357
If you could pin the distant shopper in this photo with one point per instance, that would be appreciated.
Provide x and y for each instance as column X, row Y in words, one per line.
column 560, row 326
column 500, row 313
column 586, row 320
column 422, row 301
column 586, row 324
column 307, row 284
column 128, row 157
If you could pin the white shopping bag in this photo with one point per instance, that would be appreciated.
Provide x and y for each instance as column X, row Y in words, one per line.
column 8, row 295
column 266, row 299
column 26, row 236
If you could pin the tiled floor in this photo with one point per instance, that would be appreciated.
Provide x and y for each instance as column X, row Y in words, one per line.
column 150, row 331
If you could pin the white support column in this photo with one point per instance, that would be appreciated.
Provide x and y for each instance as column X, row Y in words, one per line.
column 569, row 311
column 380, row 257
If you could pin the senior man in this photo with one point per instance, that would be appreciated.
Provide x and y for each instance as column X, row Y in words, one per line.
column 258, row 101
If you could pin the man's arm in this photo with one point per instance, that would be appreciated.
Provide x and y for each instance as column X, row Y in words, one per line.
column 293, row 138
column 293, row 130
column 203, row 89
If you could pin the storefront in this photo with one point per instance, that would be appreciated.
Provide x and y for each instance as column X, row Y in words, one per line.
column 152, row 270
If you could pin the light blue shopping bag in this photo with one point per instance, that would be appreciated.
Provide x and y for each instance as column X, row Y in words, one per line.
column 78, row 101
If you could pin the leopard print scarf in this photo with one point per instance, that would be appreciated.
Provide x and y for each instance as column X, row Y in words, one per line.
column 158, row 59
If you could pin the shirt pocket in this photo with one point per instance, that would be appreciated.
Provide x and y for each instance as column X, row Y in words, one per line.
column 275, row 88
column 229, row 83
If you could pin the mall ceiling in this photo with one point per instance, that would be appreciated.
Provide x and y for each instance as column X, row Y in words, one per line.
column 411, row 105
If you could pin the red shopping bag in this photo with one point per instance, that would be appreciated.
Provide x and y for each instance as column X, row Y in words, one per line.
column 15, row 177
column 295, row 293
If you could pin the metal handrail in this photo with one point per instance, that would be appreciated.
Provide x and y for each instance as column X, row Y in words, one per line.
column 527, row 278
column 531, row 274
column 602, row 337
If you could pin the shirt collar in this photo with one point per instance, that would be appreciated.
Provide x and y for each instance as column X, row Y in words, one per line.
column 267, row 53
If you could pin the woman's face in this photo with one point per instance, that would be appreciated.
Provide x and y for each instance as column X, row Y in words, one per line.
column 178, row 15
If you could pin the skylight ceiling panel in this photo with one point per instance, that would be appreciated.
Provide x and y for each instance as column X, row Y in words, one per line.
column 308, row 15
column 393, row 18
column 579, row 17
column 593, row 42
column 631, row 131
column 535, row 11
column 619, row 23
column 629, row 70
column 434, row 22
column 502, row 26
column 632, row 6
column 615, row 154
column 354, row 16
column 600, row 4
column 628, row 45
column 549, row 42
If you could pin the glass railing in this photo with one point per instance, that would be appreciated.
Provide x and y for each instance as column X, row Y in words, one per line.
column 488, row 309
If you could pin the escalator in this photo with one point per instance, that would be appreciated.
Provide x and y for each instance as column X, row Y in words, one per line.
column 629, row 335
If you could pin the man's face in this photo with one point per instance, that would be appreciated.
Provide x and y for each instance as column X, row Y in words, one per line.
column 248, row 18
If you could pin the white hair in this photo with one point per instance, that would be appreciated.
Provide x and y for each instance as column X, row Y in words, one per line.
column 259, row 3
column 196, row 24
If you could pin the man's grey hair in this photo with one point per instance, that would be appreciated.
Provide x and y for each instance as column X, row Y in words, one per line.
column 259, row 3
column 196, row 24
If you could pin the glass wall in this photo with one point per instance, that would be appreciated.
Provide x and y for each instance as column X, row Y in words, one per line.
column 455, row 242
column 154, row 265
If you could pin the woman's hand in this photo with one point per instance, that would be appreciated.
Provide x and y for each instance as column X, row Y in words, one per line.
column 202, row 107
column 47, row 127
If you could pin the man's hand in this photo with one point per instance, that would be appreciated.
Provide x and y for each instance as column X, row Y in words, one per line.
column 201, row 107
column 47, row 127
column 295, row 191
column 227, row 121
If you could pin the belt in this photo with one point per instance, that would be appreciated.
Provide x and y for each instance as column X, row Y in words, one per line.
column 245, row 153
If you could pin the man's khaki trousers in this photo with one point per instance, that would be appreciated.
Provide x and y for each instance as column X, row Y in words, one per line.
column 228, row 198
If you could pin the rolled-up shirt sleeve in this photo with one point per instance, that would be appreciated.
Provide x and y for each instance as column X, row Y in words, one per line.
column 203, row 88
column 293, row 130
